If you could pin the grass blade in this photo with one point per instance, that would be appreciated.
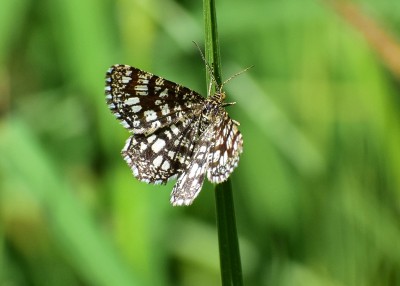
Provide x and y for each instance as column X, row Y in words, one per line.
column 231, row 269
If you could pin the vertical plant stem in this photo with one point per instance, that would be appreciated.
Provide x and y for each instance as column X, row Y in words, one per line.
column 231, row 269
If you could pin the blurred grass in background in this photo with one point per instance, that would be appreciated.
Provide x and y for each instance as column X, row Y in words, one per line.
column 317, row 190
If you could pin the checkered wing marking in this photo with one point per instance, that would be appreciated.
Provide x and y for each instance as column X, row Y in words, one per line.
column 190, row 182
column 144, row 102
column 227, row 145
column 161, row 156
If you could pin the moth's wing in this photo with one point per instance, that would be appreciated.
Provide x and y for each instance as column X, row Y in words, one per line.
column 191, row 179
column 163, row 155
column 144, row 102
column 225, row 150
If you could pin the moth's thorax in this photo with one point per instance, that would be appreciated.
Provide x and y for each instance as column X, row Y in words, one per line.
column 207, row 114
column 211, row 108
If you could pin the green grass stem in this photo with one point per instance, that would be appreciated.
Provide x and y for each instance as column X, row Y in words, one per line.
column 231, row 269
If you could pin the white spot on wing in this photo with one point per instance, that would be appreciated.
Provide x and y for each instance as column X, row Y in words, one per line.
column 158, row 145
column 126, row 79
column 150, row 115
column 135, row 171
column 216, row 156
column 174, row 129
column 136, row 108
column 171, row 154
column 143, row 146
column 132, row 101
column 143, row 81
column 165, row 166
column 125, row 124
column 193, row 170
column 151, row 138
column 128, row 159
column 141, row 88
column 157, row 161
column 164, row 93
column 224, row 158
column 165, row 109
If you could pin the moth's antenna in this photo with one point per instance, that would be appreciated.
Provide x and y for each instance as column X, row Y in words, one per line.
column 210, row 70
column 235, row 75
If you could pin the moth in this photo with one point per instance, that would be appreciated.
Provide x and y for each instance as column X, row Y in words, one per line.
column 175, row 132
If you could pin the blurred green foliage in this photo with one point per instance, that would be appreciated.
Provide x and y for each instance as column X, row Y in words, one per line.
column 317, row 190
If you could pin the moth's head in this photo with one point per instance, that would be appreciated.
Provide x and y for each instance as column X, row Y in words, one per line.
column 218, row 96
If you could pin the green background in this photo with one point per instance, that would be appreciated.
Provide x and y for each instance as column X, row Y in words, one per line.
column 317, row 190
